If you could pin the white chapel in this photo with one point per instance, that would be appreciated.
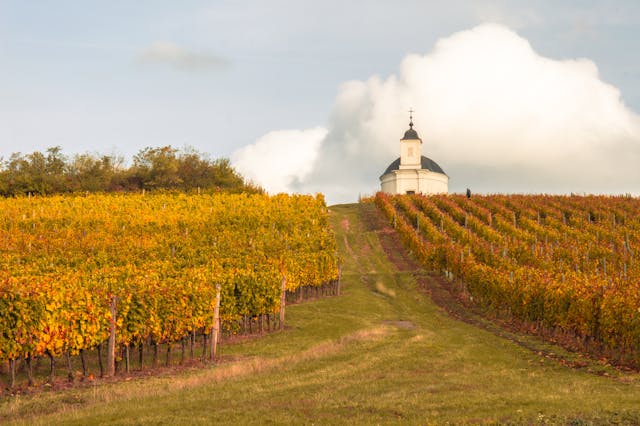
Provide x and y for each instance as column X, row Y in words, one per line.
column 413, row 173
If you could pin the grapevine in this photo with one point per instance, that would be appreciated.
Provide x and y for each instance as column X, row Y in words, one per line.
column 65, row 259
column 568, row 264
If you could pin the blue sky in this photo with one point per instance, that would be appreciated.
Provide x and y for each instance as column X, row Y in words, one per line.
column 117, row 76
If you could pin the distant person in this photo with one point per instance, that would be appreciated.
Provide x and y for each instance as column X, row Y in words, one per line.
column 468, row 193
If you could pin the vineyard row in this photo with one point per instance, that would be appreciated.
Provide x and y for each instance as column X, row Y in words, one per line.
column 150, row 269
column 566, row 264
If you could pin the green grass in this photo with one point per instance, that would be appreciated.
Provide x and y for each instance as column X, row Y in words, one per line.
column 382, row 353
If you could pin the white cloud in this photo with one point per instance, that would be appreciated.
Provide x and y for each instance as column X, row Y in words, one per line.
column 496, row 115
column 279, row 159
column 165, row 52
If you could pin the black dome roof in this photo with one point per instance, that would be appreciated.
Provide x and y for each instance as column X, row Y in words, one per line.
column 425, row 163
column 410, row 134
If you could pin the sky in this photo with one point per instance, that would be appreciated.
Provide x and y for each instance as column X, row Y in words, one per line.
column 308, row 96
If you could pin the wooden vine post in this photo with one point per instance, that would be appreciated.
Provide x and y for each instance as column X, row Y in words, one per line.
column 111, row 344
column 216, row 325
column 283, row 299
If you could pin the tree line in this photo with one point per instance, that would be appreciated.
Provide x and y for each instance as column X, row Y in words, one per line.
column 162, row 168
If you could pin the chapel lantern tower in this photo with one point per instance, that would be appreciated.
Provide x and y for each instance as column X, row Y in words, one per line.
column 410, row 147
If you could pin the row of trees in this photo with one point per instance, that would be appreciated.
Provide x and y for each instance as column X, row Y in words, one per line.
column 152, row 168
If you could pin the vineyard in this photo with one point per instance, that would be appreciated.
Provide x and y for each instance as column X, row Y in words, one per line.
column 145, row 270
column 566, row 266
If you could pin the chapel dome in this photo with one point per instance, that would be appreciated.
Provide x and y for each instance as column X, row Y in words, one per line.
column 410, row 134
column 425, row 163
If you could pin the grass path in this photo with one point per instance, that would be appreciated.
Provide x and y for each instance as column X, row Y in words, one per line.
column 382, row 353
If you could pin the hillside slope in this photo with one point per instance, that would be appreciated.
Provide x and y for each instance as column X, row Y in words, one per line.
column 382, row 353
